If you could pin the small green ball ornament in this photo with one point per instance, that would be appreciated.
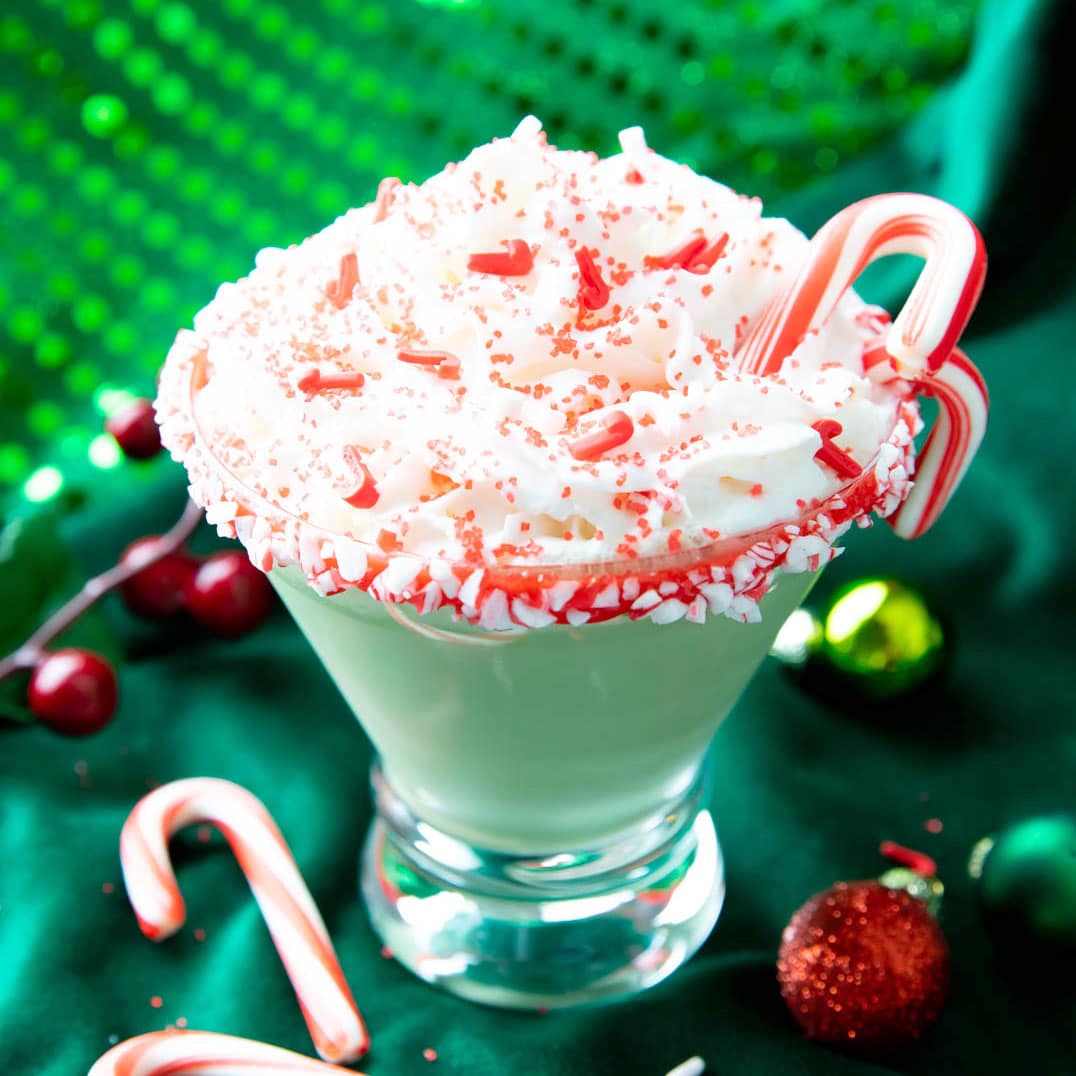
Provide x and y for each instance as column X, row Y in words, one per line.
column 1027, row 878
column 882, row 638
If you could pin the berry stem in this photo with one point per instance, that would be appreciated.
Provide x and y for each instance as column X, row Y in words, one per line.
column 32, row 650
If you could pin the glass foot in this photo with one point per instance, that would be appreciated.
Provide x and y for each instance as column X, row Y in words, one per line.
column 543, row 931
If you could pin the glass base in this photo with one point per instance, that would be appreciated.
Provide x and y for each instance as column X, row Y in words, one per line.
column 543, row 931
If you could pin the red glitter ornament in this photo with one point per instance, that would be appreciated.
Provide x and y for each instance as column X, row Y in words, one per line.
column 864, row 965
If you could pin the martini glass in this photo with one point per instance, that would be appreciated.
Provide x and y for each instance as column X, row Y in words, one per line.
column 541, row 836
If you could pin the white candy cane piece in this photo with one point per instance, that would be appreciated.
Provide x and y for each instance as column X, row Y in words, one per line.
column 693, row 1066
column 953, row 441
column 289, row 911
column 928, row 327
column 202, row 1053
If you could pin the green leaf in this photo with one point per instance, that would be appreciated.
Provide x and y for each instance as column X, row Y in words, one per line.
column 38, row 574
column 13, row 699
column 33, row 558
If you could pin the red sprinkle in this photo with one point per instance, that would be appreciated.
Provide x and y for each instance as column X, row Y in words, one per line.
column 339, row 290
column 875, row 355
column 618, row 431
column 430, row 1054
column 933, row 825
column 386, row 189
column 696, row 255
column 365, row 494
column 593, row 291
column 829, row 454
column 919, row 862
column 634, row 176
column 388, row 542
column 517, row 260
column 679, row 258
column 704, row 261
column 156, row 1001
column 447, row 364
column 316, row 381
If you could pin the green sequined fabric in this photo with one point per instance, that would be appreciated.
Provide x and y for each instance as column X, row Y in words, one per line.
column 149, row 148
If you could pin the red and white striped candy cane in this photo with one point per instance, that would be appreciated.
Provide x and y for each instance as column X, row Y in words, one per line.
column 928, row 327
column 963, row 408
column 202, row 1053
column 289, row 911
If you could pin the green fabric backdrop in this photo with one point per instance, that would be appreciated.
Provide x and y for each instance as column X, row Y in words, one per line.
column 803, row 792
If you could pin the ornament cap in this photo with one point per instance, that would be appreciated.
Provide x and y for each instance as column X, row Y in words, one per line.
column 929, row 890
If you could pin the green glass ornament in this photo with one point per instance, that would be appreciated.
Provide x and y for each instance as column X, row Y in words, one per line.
column 882, row 638
column 1027, row 878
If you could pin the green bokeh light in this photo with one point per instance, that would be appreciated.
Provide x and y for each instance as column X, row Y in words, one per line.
column 44, row 418
column 24, row 323
column 44, row 484
column 90, row 313
column 113, row 38
column 110, row 400
column 142, row 66
column 103, row 115
column 51, row 351
column 14, row 462
column 104, row 453
column 176, row 22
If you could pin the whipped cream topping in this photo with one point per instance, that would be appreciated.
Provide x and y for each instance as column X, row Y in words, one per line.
column 528, row 360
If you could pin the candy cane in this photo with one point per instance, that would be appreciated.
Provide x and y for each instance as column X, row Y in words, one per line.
column 693, row 1066
column 963, row 408
column 289, row 911
column 928, row 327
column 202, row 1053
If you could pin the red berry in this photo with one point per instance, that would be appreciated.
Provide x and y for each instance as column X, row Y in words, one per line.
column 228, row 595
column 158, row 590
column 73, row 692
column 136, row 431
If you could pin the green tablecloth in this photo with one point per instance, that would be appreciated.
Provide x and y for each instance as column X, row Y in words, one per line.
column 803, row 792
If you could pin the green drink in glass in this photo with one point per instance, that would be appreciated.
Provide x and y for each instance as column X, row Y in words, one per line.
column 540, row 454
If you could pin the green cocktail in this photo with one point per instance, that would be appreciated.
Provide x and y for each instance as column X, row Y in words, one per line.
column 540, row 455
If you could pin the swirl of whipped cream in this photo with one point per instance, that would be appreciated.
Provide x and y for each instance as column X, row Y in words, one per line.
column 527, row 360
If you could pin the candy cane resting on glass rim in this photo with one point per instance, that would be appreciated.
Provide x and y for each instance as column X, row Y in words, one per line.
column 963, row 406
column 289, row 911
column 921, row 342
column 929, row 325
column 202, row 1053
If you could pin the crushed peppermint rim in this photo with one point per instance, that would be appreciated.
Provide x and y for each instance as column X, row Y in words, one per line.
column 632, row 437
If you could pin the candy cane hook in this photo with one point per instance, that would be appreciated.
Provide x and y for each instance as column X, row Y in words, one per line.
column 928, row 327
column 202, row 1053
column 963, row 407
column 289, row 911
